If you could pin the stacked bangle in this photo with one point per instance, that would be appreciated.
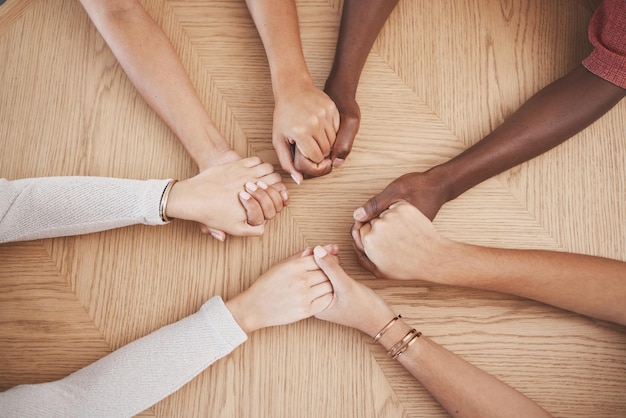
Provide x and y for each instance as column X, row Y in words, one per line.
column 402, row 345
column 386, row 327
column 164, row 198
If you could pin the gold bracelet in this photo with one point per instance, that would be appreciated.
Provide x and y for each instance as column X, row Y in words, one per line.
column 386, row 328
column 394, row 350
column 164, row 198
column 407, row 345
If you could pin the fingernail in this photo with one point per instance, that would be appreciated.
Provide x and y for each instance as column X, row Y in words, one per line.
column 244, row 195
column 251, row 187
column 320, row 252
column 284, row 195
column 296, row 178
column 359, row 214
column 338, row 162
column 217, row 236
column 262, row 185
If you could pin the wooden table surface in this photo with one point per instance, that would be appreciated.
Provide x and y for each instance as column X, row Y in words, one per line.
column 441, row 75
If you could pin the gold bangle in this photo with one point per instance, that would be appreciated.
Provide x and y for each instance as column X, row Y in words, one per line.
column 386, row 328
column 164, row 198
column 407, row 345
column 394, row 350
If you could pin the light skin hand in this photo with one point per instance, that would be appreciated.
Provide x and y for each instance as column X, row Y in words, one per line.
column 353, row 304
column 213, row 198
column 293, row 289
column 305, row 116
column 400, row 244
column 462, row 389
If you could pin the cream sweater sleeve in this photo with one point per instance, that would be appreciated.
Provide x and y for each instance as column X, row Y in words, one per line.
column 137, row 375
column 49, row 207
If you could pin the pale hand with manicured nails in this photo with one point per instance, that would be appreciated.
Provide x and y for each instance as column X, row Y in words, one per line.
column 307, row 117
column 293, row 289
column 353, row 304
column 213, row 198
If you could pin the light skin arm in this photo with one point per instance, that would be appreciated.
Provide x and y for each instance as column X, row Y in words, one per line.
column 462, row 389
column 402, row 244
column 550, row 117
column 153, row 66
column 303, row 115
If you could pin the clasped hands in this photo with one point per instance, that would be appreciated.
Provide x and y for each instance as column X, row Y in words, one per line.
column 311, row 133
column 314, row 284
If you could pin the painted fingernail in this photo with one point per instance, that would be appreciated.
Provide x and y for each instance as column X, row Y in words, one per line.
column 296, row 178
column 320, row 252
column 251, row 187
column 244, row 195
column 217, row 236
column 262, row 185
column 359, row 214
column 338, row 162
column 284, row 195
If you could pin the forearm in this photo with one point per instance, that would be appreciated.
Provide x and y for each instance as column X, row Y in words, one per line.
column 462, row 389
column 550, row 117
column 60, row 206
column 361, row 21
column 277, row 23
column 592, row 286
column 153, row 66
column 137, row 375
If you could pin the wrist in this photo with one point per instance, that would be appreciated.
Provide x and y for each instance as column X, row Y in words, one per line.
column 290, row 82
column 394, row 334
column 175, row 201
column 238, row 309
column 440, row 176
column 215, row 148
column 165, row 200
column 381, row 314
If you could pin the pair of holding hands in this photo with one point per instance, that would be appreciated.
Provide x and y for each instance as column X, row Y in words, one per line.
column 309, row 284
column 235, row 197
column 312, row 132
column 399, row 244
column 383, row 241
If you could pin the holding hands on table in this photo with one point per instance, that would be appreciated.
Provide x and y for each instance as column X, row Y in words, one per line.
column 403, row 244
column 215, row 198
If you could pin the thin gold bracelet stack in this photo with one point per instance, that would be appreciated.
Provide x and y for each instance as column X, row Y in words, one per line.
column 164, row 198
column 402, row 345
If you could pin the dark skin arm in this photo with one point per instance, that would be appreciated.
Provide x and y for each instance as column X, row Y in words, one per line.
column 361, row 21
column 550, row 117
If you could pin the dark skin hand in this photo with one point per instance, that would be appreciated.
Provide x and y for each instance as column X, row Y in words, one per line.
column 550, row 117
column 361, row 21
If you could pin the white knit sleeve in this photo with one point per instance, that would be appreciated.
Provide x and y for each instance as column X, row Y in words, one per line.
column 49, row 207
column 137, row 375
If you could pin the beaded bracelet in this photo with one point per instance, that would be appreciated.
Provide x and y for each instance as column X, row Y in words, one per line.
column 386, row 328
column 164, row 198
column 407, row 345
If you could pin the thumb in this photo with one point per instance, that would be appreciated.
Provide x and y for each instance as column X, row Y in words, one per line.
column 372, row 208
column 285, row 157
column 345, row 139
column 330, row 266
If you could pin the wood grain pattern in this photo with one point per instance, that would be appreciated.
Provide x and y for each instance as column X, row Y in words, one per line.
column 440, row 76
